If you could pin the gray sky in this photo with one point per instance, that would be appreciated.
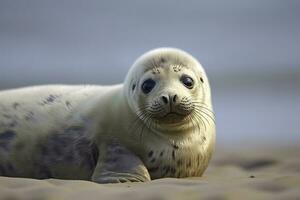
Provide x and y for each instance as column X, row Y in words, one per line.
column 90, row 40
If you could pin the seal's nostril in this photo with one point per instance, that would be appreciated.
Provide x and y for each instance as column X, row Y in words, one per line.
column 165, row 99
column 175, row 98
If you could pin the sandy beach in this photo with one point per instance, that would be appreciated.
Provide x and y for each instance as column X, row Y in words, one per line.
column 249, row 49
column 259, row 173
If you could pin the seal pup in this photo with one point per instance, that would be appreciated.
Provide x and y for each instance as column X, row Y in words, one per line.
column 159, row 123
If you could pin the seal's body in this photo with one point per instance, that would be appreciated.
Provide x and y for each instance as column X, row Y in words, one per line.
column 159, row 123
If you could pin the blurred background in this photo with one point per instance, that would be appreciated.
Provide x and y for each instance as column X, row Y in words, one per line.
column 250, row 50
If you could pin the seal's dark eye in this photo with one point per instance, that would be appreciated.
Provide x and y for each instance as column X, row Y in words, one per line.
column 187, row 81
column 148, row 85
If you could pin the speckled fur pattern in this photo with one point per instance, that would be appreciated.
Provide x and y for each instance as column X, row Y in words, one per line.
column 97, row 133
column 31, row 144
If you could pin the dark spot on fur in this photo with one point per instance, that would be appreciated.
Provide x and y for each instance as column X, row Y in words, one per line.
column 7, row 170
column 44, row 150
column 201, row 79
column 45, row 173
column 133, row 86
column 189, row 164
column 42, row 171
column 29, row 116
column 173, row 155
column 251, row 176
column 6, row 116
column 2, row 170
column 110, row 159
column 204, row 138
column 162, row 60
column 89, row 152
column 198, row 160
column 120, row 150
column 68, row 104
column 13, row 123
column 175, row 146
column 58, row 150
column 179, row 162
column 153, row 160
column 122, row 180
column 150, row 154
column 116, row 149
column 72, row 129
column 69, row 158
column 16, row 105
column 161, row 154
column 5, row 139
column 19, row 146
column 177, row 68
column 167, row 169
column 113, row 145
column 153, row 169
column 50, row 98
column 10, row 168
column 69, row 147
column 172, row 170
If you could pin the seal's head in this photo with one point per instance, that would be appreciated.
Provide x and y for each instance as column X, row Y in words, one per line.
column 166, row 88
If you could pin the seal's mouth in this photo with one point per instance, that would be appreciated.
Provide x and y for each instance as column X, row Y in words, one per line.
column 173, row 117
column 170, row 114
column 173, row 114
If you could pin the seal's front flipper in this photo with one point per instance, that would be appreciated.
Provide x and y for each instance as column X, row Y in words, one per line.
column 116, row 164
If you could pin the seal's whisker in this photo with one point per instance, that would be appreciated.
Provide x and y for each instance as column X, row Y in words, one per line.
column 145, row 117
column 141, row 133
column 202, row 115
column 192, row 121
column 204, row 105
column 201, row 121
column 136, row 119
column 140, row 113
column 198, row 124
column 203, row 112
column 205, row 108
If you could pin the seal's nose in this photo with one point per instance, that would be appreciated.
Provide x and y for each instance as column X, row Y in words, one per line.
column 174, row 98
column 166, row 98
